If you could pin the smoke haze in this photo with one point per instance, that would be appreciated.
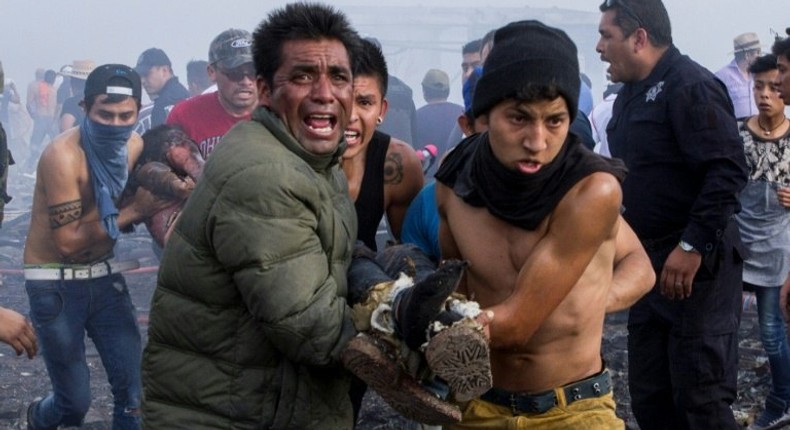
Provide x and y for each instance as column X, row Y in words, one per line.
column 416, row 35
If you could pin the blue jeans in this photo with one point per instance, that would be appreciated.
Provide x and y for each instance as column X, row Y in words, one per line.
column 773, row 335
column 62, row 312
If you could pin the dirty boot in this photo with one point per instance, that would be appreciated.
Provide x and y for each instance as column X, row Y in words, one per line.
column 374, row 361
column 415, row 308
column 408, row 259
column 459, row 355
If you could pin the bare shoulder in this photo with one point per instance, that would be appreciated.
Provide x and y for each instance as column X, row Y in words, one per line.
column 402, row 165
column 64, row 150
column 600, row 186
column 442, row 192
column 398, row 146
column 593, row 203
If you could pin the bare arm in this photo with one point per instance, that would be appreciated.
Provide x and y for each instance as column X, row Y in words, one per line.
column 403, row 180
column 77, row 231
column 447, row 246
column 579, row 225
column 633, row 274
column 16, row 331
column 13, row 94
column 145, row 202
column 67, row 121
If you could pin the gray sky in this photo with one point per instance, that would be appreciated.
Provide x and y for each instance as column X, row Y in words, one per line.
column 51, row 33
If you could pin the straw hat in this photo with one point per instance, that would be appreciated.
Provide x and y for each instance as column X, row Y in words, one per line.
column 745, row 42
column 79, row 69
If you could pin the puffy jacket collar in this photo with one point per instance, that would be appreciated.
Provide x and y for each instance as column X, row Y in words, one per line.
column 319, row 163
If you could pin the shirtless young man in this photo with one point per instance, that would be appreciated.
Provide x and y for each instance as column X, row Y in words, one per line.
column 537, row 217
column 384, row 174
column 72, row 284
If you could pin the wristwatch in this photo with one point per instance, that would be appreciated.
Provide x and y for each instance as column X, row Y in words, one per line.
column 687, row 246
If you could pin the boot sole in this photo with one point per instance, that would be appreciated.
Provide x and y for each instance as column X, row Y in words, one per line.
column 366, row 358
column 460, row 356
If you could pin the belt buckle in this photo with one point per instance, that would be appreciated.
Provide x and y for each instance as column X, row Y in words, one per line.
column 100, row 270
column 514, row 404
column 80, row 273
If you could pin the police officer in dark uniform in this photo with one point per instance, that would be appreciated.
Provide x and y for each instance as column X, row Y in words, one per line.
column 673, row 125
column 162, row 86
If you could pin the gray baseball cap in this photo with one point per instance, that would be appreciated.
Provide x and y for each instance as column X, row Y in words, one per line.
column 231, row 49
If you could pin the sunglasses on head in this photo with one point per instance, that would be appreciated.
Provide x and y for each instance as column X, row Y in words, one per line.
column 625, row 8
column 238, row 73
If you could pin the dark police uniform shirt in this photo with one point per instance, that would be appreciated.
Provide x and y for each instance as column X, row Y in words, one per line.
column 172, row 92
column 677, row 134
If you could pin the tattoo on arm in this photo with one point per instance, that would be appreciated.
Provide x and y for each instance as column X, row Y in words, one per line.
column 393, row 169
column 64, row 213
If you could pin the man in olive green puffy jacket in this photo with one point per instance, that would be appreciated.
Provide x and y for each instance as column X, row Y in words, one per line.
column 249, row 316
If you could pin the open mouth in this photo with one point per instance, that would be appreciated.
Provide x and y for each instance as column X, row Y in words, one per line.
column 352, row 137
column 529, row 167
column 321, row 123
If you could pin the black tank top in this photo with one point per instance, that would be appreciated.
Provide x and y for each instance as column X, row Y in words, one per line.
column 370, row 201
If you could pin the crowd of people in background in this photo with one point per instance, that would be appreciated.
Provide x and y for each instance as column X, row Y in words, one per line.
column 273, row 168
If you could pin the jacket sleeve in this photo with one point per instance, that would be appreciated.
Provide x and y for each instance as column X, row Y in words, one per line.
column 265, row 230
column 703, row 121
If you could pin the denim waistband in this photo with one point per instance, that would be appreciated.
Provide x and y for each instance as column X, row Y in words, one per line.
column 522, row 403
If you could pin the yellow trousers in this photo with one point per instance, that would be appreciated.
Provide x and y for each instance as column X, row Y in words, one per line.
column 596, row 413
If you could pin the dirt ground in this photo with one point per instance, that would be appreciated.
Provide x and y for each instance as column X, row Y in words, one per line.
column 22, row 380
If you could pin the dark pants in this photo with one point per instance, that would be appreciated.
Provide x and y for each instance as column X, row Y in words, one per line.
column 682, row 355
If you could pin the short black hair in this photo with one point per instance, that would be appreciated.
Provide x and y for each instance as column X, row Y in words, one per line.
column 299, row 21
column 197, row 72
column 370, row 61
column 49, row 76
column 762, row 64
column 781, row 47
column 472, row 47
column 488, row 38
column 648, row 14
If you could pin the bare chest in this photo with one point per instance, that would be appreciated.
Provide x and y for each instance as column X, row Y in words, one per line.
column 495, row 250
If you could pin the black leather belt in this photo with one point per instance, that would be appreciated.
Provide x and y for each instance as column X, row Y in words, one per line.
column 522, row 403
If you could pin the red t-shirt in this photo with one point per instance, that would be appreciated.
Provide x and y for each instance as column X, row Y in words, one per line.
column 204, row 120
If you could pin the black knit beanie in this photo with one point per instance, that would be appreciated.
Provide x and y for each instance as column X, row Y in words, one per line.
column 527, row 52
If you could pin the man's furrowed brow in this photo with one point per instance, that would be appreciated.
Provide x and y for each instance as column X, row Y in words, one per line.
column 338, row 69
column 305, row 68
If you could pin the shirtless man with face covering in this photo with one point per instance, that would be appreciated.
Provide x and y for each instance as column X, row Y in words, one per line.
column 73, row 285
column 537, row 216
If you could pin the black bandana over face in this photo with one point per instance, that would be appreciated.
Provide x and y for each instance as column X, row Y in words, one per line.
column 477, row 177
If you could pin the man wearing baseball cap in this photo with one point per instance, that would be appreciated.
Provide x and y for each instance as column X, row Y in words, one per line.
column 162, row 86
column 206, row 118
column 436, row 119
column 73, row 282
